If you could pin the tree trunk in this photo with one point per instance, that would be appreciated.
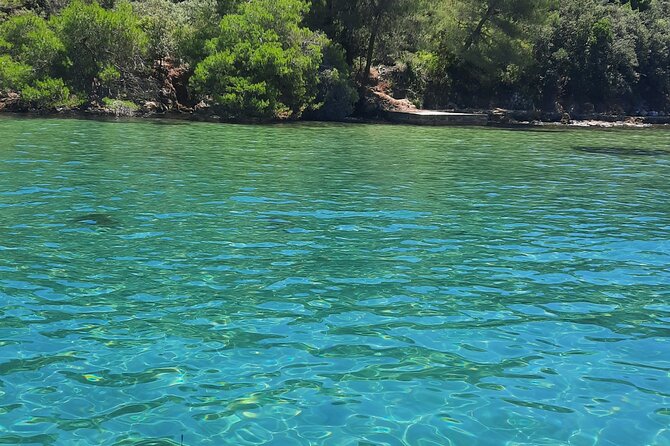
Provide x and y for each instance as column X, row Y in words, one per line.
column 373, row 39
column 477, row 32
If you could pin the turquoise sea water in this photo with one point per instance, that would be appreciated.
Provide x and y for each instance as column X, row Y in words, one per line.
column 331, row 285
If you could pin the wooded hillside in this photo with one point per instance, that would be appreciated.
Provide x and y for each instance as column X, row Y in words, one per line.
column 291, row 58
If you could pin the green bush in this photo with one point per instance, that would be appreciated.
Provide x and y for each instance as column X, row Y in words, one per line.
column 28, row 39
column 44, row 94
column 13, row 75
column 96, row 39
column 162, row 21
column 109, row 75
column 120, row 107
column 262, row 63
column 336, row 94
column 270, row 58
column 594, row 53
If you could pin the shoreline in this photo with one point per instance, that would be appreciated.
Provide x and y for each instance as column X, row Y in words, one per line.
column 604, row 121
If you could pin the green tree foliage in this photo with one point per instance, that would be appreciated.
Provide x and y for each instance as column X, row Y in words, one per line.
column 262, row 63
column 162, row 21
column 45, row 93
column 201, row 19
column 105, row 47
column 362, row 27
column 585, row 54
column 653, row 88
column 641, row 5
column 479, row 51
column 28, row 39
column 13, row 75
column 291, row 58
column 32, row 51
column 39, row 7
column 604, row 56
column 336, row 95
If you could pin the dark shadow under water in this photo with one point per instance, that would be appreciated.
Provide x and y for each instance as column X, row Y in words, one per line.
column 622, row 151
column 97, row 219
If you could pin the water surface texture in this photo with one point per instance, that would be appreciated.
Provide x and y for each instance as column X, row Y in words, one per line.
column 336, row 285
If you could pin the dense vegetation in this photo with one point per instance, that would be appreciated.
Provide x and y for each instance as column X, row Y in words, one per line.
column 290, row 58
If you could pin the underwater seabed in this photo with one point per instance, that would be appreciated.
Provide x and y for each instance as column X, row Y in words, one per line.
column 330, row 284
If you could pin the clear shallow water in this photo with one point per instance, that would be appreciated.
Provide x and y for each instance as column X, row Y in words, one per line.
column 332, row 285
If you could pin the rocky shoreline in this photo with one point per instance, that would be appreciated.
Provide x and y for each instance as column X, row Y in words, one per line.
column 537, row 118
column 496, row 118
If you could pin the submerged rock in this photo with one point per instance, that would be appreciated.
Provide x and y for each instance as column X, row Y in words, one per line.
column 97, row 219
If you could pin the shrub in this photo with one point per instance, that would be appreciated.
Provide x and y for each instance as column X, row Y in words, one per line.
column 162, row 21
column 46, row 93
column 96, row 39
column 262, row 63
column 13, row 75
column 120, row 107
column 336, row 95
column 28, row 39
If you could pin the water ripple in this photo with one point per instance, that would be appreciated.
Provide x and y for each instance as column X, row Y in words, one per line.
column 332, row 285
